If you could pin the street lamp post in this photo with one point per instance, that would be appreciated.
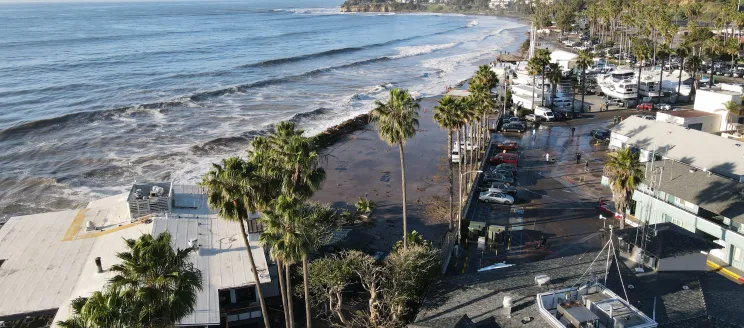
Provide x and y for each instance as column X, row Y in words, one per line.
column 459, row 213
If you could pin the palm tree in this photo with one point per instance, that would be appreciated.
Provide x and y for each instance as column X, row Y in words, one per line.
column 662, row 51
column 446, row 115
column 642, row 51
column 625, row 172
column 483, row 104
column 533, row 68
column 682, row 51
column 544, row 60
column 292, row 230
column 555, row 75
column 234, row 190
column 694, row 62
column 583, row 61
column 732, row 109
column 153, row 286
column 397, row 121
column 293, row 158
column 713, row 48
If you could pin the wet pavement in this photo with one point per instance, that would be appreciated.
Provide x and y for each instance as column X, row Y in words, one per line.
column 556, row 199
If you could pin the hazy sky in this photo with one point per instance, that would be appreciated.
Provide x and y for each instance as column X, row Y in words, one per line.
column 115, row 1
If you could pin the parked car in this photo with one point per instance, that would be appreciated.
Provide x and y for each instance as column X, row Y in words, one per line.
column 455, row 156
column 607, row 207
column 505, row 172
column 650, row 117
column 503, row 188
column 663, row 106
column 496, row 197
column 559, row 116
column 512, row 119
column 490, row 176
column 600, row 134
column 645, row 106
column 509, row 158
column 513, row 127
column 507, row 145
column 532, row 118
column 506, row 166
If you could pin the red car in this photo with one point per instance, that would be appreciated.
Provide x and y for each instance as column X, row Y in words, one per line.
column 645, row 106
column 607, row 207
column 507, row 145
column 507, row 158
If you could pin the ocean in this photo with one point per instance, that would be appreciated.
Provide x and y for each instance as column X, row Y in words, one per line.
column 96, row 96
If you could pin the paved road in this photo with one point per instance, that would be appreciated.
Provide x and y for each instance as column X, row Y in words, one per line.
column 556, row 200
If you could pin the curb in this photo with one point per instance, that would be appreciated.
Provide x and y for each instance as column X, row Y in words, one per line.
column 725, row 271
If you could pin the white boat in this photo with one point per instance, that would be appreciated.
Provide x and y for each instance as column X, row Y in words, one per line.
column 622, row 83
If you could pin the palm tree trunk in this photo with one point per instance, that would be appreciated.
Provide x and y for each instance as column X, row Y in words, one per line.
column 583, row 87
column 403, row 188
column 459, row 191
column 283, row 289
column 449, row 166
column 638, row 84
column 533, row 92
column 264, row 313
column 308, row 313
column 290, row 305
column 542, row 88
column 661, row 78
column 679, row 78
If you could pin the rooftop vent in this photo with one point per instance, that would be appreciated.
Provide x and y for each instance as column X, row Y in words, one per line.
column 542, row 279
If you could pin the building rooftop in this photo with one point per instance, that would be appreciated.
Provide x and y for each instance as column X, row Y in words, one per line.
column 673, row 299
column 712, row 192
column 689, row 146
column 49, row 258
column 671, row 240
column 480, row 295
column 689, row 113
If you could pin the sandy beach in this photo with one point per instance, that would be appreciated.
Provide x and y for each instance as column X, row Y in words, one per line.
column 360, row 164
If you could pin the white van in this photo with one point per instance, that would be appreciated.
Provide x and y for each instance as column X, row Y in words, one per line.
column 545, row 113
column 455, row 156
column 562, row 102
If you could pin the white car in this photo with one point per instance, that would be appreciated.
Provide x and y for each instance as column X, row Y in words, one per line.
column 663, row 106
column 496, row 197
column 468, row 146
column 455, row 156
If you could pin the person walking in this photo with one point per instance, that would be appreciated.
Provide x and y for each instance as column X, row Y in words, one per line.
column 547, row 157
column 578, row 157
column 586, row 166
column 573, row 129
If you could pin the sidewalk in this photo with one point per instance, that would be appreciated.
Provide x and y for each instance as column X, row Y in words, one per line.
column 734, row 274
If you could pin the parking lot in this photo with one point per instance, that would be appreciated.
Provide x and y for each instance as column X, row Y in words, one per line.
column 555, row 202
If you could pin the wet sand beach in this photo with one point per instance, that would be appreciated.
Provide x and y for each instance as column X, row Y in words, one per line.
column 360, row 164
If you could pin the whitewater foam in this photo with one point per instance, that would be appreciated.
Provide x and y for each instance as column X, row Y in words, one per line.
column 421, row 50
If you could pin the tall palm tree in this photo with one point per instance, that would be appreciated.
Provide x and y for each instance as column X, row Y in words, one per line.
column 483, row 104
column 694, row 62
column 292, row 230
column 642, row 52
column 294, row 159
column 543, row 56
column 713, row 47
column 682, row 51
column 447, row 116
column 234, row 190
column 625, row 172
column 397, row 121
column 583, row 61
column 663, row 52
column 463, row 105
column 153, row 286
column 555, row 75
column 533, row 68
column 732, row 109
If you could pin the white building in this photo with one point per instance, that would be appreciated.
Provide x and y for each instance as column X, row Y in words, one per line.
column 49, row 259
column 714, row 100
column 499, row 4
column 696, row 181
column 566, row 60
column 692, row 119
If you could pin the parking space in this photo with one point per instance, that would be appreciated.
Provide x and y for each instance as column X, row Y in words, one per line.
column 555, row 203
